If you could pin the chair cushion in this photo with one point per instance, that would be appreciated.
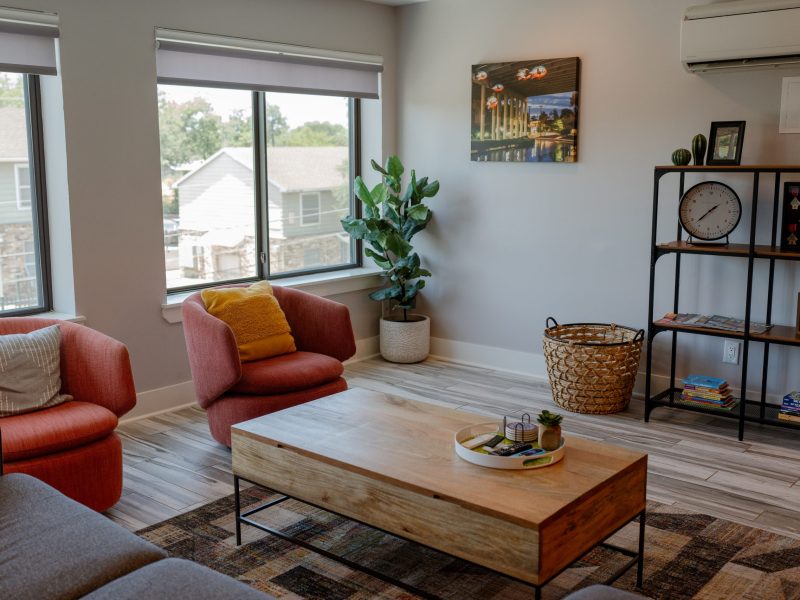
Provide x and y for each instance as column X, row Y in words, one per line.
column 30, row 371
column 176, row 578
column 61, row 427
column 287, row 373
column 253, row 314
column 54, row 548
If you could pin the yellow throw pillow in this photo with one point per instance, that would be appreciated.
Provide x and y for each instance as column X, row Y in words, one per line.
column 257, row 321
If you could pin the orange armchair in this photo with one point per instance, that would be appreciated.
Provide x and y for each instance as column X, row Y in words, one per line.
column 232, row 391
column 73, row 446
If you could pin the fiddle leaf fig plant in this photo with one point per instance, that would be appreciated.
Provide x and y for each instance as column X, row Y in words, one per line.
column 391, row 217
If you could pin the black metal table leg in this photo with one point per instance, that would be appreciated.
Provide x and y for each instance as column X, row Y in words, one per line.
column 640, row 564
column 537, row 594
column 237, row 501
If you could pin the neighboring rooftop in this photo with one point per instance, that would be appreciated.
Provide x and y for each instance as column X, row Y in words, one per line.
column 292, row 168
column 14, row 139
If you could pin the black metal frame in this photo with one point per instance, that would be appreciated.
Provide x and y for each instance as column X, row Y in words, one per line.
column 261, row 200
column 36, row 164
column 635, row 557
column 751, row 253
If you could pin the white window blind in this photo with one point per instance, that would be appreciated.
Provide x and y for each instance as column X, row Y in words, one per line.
column 188, row 58
column 27, row 41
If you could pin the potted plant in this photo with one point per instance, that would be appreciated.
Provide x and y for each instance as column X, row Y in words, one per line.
column 390, row 219
column 549, row 430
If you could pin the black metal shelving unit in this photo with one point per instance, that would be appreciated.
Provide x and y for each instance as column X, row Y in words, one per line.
column 749, row 410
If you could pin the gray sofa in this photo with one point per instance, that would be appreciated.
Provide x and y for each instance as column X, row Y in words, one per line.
column 54, row 548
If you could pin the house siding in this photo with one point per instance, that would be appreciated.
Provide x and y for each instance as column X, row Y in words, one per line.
column 9, row 213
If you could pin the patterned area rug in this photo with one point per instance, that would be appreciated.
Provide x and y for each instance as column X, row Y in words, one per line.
column 688, row 555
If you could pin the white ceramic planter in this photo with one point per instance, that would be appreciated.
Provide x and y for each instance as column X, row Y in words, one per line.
column 406, row 341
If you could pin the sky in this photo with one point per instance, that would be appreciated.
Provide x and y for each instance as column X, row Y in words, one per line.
column 297, row 108
column 550, row 101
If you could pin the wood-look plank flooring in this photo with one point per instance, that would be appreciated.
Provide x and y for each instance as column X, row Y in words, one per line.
column 172, row 465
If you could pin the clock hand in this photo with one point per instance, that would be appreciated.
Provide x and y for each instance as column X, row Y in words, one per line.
column 708, row 213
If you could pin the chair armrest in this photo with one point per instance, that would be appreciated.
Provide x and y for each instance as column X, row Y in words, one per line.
column 318, row 324
column 213, row 354
column 96, row 368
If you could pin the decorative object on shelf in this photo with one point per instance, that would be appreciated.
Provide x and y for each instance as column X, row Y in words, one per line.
column 505, row 453
column 699, row 145
column 681, row 157
column 522, row 430
column 790, row 407
column 390, row 221
column 549, row 430
column 710, row 211
column 790, row 225
column 798, row 314
column 711, row 322
column 525, row 111
column 592, row 366
column 725, row 143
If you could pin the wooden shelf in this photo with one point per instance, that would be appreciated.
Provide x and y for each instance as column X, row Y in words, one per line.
column 740, row 250
column 778, row 334
column 730, row 168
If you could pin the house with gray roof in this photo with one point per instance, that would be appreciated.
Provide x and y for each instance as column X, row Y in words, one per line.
column 307, row 191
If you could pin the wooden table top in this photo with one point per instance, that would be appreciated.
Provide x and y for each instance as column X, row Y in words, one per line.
column 411, row 444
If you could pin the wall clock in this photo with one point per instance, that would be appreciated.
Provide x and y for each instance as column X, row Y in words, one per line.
column 710, row 211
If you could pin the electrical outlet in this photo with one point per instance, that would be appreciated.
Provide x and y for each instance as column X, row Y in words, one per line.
column 730, row 352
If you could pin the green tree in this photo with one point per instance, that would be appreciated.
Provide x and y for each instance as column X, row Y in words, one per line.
column 315, row 133
column 188, row 130
column 11, row 94
column 237, row 131
column 277, row 125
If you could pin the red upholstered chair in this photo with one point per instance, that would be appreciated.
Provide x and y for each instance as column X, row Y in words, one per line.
column 72, row 446
column 232, row 391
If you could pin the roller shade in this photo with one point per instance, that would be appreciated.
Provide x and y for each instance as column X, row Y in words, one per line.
column 27, row 41
column 188, row 58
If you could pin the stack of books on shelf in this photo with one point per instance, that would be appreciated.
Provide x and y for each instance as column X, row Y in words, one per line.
column 790, row 408
column 707, row 392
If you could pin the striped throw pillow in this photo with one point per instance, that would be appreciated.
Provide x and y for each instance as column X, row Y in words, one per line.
column 30, row 371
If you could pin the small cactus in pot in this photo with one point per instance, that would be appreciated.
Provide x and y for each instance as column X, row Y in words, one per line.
column 549, row 430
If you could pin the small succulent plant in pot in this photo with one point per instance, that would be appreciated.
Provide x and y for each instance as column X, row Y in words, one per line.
column 549, row 430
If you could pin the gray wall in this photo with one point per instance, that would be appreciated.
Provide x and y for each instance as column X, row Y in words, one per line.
column 111, row 165
column 512, row 244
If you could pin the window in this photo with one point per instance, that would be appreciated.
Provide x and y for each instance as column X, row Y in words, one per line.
column 22, row 175
column 24, row 280
column 254, row 184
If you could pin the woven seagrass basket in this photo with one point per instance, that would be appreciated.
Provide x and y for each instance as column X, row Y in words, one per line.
column 592, row 366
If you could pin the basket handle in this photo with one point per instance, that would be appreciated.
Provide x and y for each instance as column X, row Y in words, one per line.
column 547, row 323
column 639, row 336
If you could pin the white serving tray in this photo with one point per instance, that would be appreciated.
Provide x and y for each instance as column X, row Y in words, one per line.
column 502, row 462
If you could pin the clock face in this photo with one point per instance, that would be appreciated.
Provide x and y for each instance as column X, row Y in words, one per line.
column 710, row 210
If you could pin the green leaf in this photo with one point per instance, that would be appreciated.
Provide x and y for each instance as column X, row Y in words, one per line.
column 423, row 273
column 395, row 167
column 430, row 190
column 355, row 227
column 362, row 192
column 392, row 214
column 418, row 212
column 397, row 245
column 377, row 167
column 379, row 259
column 387, row 293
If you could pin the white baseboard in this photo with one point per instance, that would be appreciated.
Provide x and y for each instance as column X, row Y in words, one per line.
column 365, row 348
column 160, row 400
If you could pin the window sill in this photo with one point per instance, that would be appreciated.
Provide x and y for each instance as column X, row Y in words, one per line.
column 52, row 314
column 320, row 284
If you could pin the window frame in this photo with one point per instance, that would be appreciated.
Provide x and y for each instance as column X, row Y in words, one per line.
column 36, row 165
column 261, row 201
column 19, row 184
column 317, row 213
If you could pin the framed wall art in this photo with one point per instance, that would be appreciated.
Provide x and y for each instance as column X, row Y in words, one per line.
column 725, row 143
column 525, row 111
column 790, row 224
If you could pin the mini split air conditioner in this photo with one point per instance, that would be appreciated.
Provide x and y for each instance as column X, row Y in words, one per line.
column 741, row 34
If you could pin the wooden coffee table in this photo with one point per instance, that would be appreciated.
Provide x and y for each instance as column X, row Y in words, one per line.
column 390, row 463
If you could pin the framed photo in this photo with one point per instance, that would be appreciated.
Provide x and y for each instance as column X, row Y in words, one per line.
column 525, row 111
column 725, row 143
column 790, row 225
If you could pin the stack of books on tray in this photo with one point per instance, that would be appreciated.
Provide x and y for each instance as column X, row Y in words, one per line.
column 790, row 408
column 707, row 392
